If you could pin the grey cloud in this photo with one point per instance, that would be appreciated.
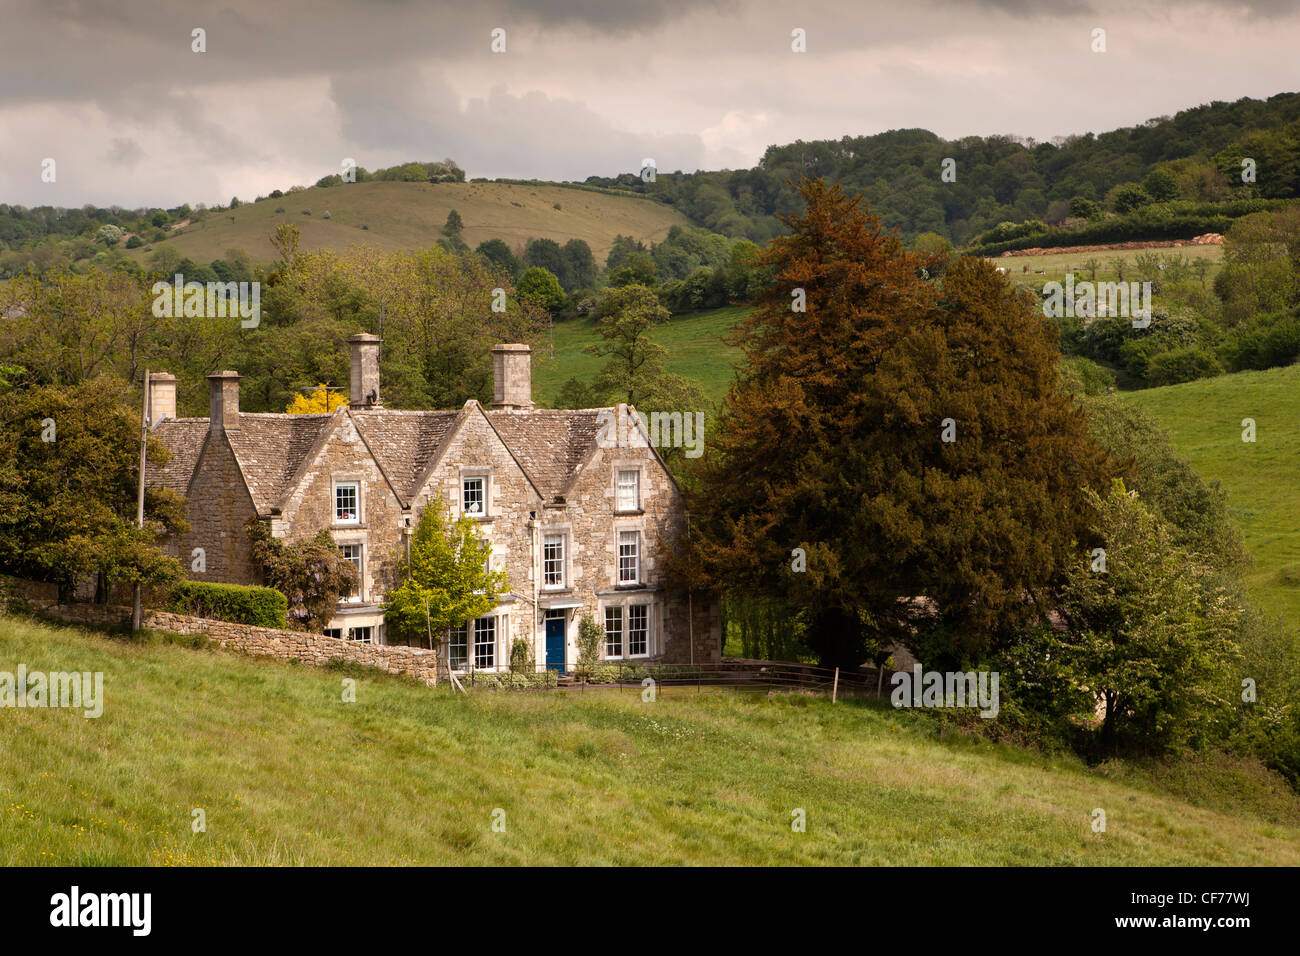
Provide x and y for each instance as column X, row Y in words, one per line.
column 124, row 152
column 396, row 115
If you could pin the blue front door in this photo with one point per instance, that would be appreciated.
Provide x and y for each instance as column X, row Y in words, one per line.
column 555, row 644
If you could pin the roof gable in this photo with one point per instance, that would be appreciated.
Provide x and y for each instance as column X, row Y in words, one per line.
column 184, row 438
column 550, row 445
column 275, row 452
column 272, row 451
column 405, row 444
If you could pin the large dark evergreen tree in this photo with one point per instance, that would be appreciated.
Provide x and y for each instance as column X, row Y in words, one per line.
column 831, row 441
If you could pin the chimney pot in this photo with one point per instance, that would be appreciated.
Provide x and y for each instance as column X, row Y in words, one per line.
column 364, row 385
column 223, row 402
column 512, row 376
column 162, row 397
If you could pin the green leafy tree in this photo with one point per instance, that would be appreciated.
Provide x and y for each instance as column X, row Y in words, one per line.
column 579, row 266
column 312, row 575
column 1161, row 185
column 634, row 361
column 1194, row 513
column 541, row 288
column 448, row 581
column 69, row 468
column 575, row 393
column 590, row 638
column 109, row 235
column 545, row 254
column 1152, row 634
column 454, row 224
column 498, row 254
column 1085, row 208
column 636, row 269
column 1127, row 197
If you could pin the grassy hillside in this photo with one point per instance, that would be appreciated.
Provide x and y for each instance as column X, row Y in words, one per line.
column 1204, row 418
column 1052, row 266
column 694, row 350
column 411, row 216
column 287, row 773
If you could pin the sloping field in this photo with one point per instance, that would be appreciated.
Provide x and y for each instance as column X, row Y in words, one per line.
column 1262, row 478
column 695, row 350
column 411, row 216
column 286, row 772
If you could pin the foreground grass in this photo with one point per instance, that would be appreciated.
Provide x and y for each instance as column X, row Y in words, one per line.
column 1204, row 419
column 695, row 350
column 287, row 773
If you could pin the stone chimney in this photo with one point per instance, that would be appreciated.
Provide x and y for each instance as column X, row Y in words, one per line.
column 162, row 397
column 365, row 370
column 223, row 402
column 512, row 376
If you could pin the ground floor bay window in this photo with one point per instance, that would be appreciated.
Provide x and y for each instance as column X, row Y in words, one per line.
column 477, row 644
column 629, row 630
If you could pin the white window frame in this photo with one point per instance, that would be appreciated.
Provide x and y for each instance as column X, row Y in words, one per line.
column 620, row 504
column 622, row 612
column 548, row 539
column 488, row 624
column 614, row 652
column 334, row 632
column 646, row 631
column 370, row 639
column 635, row 556
column 360, row 562
column 459, row 637
column 482, row 480
column 356, row 491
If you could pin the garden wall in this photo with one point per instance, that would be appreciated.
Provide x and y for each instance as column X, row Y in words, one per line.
column 316, row 649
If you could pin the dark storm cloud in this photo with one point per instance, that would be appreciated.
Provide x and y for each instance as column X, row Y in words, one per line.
column 608, row 15
column 287, row 88
column 60, row 49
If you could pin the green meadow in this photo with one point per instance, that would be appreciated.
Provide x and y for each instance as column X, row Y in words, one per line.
column 286, row 772
column 1262, row 478
column 694, row 343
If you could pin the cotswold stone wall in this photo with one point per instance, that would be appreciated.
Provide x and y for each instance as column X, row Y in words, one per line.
column 315, row 649
column 20, row 591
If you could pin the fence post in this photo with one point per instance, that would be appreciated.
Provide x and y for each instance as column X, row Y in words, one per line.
column 835, row 687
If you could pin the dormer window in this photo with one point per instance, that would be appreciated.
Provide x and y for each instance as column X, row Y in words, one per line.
column 347, row 502
column 474, row 496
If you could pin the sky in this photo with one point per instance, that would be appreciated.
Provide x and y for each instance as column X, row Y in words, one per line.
column 286, row 90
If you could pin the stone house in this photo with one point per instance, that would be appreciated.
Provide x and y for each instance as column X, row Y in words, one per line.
column 579, row 508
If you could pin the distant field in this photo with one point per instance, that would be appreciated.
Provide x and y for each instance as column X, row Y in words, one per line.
column 411, row 216
column 286, row 773
column 694, row 350
column 1262, row 479
column 1054, row 265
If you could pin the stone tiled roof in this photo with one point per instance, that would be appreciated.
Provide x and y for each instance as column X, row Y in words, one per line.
column 403, row 442
column 275, row 450
column 271, row 448
column 184, row 438
column 549, row 444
